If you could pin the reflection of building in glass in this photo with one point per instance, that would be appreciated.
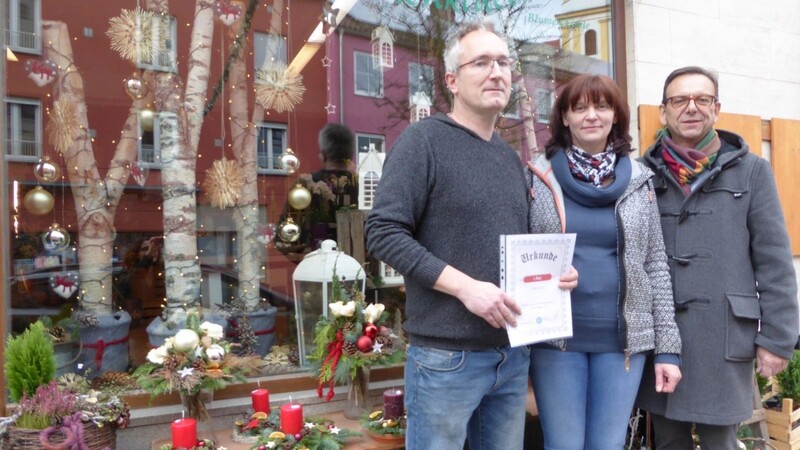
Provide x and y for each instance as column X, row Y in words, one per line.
column 586, row 28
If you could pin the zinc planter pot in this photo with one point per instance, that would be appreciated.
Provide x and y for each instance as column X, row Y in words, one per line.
column 158, row 331
column 263, row 324
column 104, row 346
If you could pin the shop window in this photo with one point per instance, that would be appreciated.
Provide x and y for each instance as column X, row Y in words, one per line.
column 544, row 104
column 368, row 79
column 268, row 48
column 165, row 32
column 420, row 79
column 24, row 122
column 363, row 141
column 590, row 42
column 24, row 18
column 272, row 143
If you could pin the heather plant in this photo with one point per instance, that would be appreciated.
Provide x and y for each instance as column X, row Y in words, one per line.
column 30, row 361
column 43, row 408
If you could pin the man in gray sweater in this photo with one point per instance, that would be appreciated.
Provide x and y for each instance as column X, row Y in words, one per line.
column 450, row 188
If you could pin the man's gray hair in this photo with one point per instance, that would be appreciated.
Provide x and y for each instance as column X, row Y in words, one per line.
column 690, row 70
column 452, row 43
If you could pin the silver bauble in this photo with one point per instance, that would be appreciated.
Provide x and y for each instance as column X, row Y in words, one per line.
column 299, row 197
column 45, row 171
column 135, row 87
column 289, row 161
column 56, row 238
column 288, row 231
column 38, row 201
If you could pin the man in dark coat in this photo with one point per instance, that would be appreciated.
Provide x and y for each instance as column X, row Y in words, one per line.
column 731, row 265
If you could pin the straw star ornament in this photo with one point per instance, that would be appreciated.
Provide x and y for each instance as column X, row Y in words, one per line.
column 131, row 35
column 278, row 88
column 63, row 126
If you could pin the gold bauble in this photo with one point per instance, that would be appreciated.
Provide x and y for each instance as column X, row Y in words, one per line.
column 289, row 161
column 38, row 201
column 146, row 118
column 299, row 197
column 288, row 231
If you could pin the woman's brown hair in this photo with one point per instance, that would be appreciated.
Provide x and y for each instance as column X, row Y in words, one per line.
column 593, row 89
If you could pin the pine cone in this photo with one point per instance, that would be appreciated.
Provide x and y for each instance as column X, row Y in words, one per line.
column 385, row 340
column 349, row 327
column 170, row 364
column 199, row 365
column 349, row 348
column 58, row 333
column 113, row 380
column 294, row 356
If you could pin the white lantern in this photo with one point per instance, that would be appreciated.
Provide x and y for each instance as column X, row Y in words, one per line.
column 382, row 48
column 420, row 106
column 313, row 285
column 369, row 175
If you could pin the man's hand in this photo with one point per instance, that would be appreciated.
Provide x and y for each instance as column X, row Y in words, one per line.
column 768, row 363
column 667, row 377
column 483, row 299
column 570, row 280
column 489, row 302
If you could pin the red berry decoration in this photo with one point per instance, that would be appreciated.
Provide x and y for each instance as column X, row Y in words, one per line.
column 364, row 344
column 371, row 330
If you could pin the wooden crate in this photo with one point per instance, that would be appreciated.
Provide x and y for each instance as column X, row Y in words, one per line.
column 781, row 426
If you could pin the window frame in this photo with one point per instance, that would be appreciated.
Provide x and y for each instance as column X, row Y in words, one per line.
column 156, row 164
column 429, row 82
column 172, row 51
column 270, row 152
column 14, row 127
column 13, row 30
column 540, row 92
column 260, row 36
column 379, row 72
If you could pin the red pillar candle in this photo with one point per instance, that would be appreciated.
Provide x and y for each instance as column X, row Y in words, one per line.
column 291, row 418
column 184, row 433
column 260, row 399
column 392, row 403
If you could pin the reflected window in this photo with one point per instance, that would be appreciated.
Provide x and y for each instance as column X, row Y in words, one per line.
column 267, row 48
column 23, row 122
column 165, row 34
column 22, row 33
column 271, row 144
column 149, row 138
column 363, row 142
column 544, row 105
column 368, row 78
column 420, row 79
column 590, row 42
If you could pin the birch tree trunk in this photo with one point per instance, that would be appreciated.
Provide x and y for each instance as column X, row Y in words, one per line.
column 96, row 198
column 245, row 215
column 181, row 119
column 526, row 109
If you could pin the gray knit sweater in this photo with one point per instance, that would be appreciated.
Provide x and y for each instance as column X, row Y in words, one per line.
column 445, row 197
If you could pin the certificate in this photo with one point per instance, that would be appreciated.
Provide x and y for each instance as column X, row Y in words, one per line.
column 530, row 268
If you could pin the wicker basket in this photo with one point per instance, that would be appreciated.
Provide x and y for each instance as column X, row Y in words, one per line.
column 94, row 437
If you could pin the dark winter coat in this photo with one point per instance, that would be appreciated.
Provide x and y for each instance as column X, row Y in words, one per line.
column 733, row 281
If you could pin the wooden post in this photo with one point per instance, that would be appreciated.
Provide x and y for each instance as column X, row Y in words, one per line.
column 350, row 233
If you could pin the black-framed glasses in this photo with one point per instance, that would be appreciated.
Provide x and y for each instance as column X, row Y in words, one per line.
column 485, row 64
column 701, row 101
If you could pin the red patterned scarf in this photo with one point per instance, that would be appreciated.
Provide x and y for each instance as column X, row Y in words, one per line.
column 686, row 163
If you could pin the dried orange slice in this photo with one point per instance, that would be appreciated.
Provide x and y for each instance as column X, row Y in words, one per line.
column 277, row 435
column 261, row 415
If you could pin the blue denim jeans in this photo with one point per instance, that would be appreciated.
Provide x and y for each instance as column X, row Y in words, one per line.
column 456, row 395
column 584, row 399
